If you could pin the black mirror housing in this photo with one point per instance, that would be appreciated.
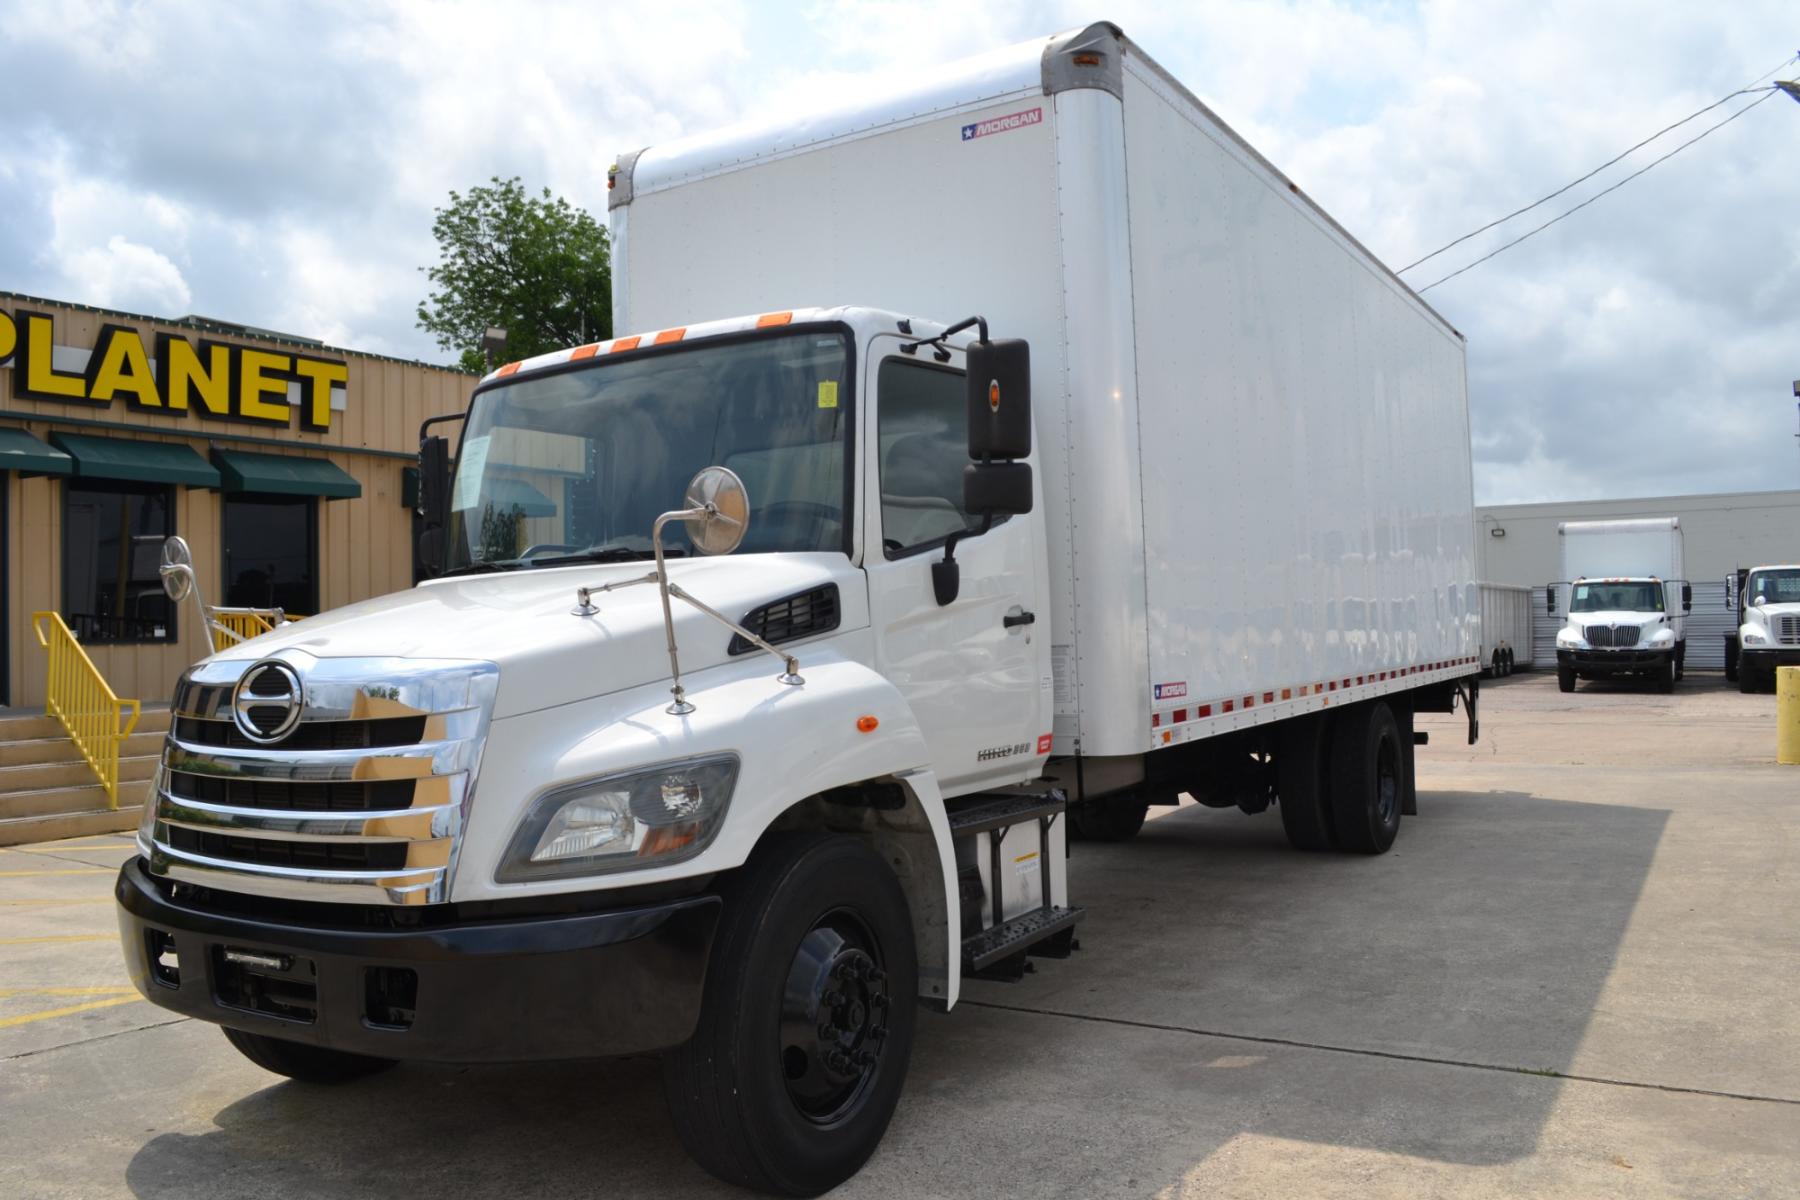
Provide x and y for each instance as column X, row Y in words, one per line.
column 1687, row 597
column 1550, row 597
column 997, row 489
column 999, row 375
column 434, row 480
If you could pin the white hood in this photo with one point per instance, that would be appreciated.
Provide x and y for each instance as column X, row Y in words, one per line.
column 520, row 620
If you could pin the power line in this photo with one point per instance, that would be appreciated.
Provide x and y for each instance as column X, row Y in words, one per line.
column 1768, row 94
column 1609, row 162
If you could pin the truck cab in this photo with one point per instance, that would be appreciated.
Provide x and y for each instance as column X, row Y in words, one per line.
column 1620, row 626
column 1768, row 632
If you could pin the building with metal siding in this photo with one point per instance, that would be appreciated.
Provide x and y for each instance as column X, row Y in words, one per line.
column 1517, row 543
column 286, row 464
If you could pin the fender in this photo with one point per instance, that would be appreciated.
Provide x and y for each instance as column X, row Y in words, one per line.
column 793, row 743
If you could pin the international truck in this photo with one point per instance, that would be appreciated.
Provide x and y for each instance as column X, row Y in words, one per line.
column 1767, row 600
column 1021, row 445
column 1627, row 602
column 1505, row 629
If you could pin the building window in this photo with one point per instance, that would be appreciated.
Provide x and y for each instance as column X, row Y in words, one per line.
column 271, row 552
column 112, row 546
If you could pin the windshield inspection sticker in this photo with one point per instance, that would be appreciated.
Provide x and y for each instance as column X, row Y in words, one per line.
column 1006, row 124
column 827, row 393
column 467, row 492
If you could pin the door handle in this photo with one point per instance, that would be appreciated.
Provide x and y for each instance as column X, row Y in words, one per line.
column 1014, row 620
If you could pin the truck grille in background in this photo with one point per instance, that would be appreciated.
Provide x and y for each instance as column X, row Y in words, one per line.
column 363, row 803
column 1607, row 636
column 791, row 617
column 1787, row 630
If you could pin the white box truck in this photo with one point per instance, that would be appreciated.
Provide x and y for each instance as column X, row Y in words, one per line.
column 1625, row 601
column 1187, row 508
column 1505, row 629
column 1767, row 600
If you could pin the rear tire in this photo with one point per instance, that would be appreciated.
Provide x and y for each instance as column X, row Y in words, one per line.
column 308, row 1064
column 1565, row 679
column 1303, row 783
column 1368, row 778
column 806, row 1024
column 1109, row 818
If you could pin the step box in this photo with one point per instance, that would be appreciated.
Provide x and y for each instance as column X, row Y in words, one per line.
column 1011, row 858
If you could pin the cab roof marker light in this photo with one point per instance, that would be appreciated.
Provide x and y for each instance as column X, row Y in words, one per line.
column 509, row 369
column 587, row 351
column 774, row 318
column 668, row 336
column 620, row 345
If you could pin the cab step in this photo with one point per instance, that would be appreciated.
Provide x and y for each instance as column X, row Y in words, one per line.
column 997, row 812
column 1014, row 938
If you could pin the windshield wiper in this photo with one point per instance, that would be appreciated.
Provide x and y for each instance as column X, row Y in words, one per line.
column 482, row 566
column 604, row 554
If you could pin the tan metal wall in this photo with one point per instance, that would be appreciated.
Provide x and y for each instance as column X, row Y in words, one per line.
column 365, row 545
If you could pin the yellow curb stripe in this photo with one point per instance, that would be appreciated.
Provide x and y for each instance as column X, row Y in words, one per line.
column 66, row 937
column 68, row 991
column 28, row 1018
column 69, row 871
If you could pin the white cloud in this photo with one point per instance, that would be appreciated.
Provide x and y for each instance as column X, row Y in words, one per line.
column 125, row 275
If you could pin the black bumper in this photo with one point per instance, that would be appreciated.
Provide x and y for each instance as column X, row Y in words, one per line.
column 1613, row 662
column 585, row 985
column 1767, row 658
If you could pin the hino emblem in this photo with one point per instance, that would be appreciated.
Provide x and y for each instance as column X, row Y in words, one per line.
column 267, row 702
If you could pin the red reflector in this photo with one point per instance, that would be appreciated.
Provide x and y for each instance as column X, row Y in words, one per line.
column 1180, row 715
column 1205, row 710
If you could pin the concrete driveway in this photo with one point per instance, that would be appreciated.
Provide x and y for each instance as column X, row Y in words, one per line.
column 1575, row 975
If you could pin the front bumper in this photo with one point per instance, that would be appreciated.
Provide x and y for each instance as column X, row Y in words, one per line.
column 1767, row 658
column 1613, row 662
column 580, row 985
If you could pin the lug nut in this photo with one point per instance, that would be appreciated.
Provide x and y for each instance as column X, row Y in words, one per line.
column 832, row 998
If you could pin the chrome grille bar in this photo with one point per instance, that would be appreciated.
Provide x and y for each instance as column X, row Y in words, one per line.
column 285, row 848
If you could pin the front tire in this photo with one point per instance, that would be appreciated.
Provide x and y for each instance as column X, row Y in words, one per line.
column 308, row 1064
column 1368, row 785
column 1565, row 679
column 1665, row 677
column 806, row 1024
column 1747, row 681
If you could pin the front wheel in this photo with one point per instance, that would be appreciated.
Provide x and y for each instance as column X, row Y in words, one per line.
column 1746, row 678
column 1665, row 677
column 308, row 1064
column 1565, row 679
column 806, row 1024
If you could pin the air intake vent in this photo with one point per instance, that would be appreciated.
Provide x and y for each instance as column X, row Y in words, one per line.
column 800, row 615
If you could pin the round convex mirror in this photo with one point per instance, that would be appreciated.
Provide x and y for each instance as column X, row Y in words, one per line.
column 177, row 569
column 726, row 519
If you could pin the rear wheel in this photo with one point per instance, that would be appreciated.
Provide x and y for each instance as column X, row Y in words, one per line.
column 308, row 1064
column 1368, row 778
column 1565, row 678
column 807, row 1020
column 1303, row 783
column 1109, row 818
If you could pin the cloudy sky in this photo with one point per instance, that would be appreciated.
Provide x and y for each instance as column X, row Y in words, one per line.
column 277, row 164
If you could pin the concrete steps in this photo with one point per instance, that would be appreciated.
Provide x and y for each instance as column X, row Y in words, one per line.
column 47, row 791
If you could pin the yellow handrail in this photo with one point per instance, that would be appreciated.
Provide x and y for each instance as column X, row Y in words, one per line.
column 231, row 626
column 78, row 696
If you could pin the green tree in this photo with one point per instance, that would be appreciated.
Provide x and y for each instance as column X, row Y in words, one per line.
column 536, row 266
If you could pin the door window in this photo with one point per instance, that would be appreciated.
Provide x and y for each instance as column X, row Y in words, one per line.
column 923, row 436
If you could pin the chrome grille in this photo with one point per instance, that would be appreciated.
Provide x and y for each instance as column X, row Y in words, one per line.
column 363, row 802
column 1612, row 638
column 1787, row 629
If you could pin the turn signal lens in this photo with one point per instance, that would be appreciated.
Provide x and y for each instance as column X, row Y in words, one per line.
column 866, row 724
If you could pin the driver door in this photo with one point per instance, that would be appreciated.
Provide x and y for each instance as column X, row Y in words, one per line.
column 976, row 670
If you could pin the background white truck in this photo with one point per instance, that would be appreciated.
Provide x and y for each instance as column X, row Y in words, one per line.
column 1767, row 600
column 1505, row 628
column 1187, row 509
column 1625, row 600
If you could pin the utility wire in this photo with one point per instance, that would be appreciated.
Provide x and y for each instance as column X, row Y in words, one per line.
column 1609, row 162
column 1768, row 94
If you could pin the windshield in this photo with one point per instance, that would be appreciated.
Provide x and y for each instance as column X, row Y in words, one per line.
column 579, row 464
column 1774, row 587
column 1617, row 597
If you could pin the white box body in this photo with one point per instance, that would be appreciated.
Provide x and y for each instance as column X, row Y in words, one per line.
column 1506, row 623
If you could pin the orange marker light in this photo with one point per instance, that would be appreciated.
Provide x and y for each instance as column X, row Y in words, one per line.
column 508, row 369
column 866, row 724
column 587, row 351
column 671, row 335
column 625, row 343
column 768, row 319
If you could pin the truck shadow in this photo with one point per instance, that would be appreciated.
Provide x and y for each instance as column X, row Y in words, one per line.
column 1230, row 987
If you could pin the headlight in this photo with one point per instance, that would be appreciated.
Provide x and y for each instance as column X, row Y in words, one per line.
column 648, row 817
column 1568, row 639
column 1662, row 637
column 1754, row 637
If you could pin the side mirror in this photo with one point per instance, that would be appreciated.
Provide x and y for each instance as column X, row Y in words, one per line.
column 1730, row 592
column 434, row 502
column 1687, row 597
column 997, row 489
column 1550, row 597
column 999, row 380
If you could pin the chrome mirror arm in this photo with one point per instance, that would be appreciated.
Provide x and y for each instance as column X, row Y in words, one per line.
column 791, row 666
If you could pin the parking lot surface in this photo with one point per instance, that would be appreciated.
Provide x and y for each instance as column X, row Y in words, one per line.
column 1575, row 975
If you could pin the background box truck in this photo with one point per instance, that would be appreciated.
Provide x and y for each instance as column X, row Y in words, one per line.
column 1505, row 628
column 1625, row 599
column 1186, row 507
column 1767, row 599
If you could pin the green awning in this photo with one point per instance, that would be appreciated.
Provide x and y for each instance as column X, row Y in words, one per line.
column 507, row 494
column 29, row 455
column 142, row 462
column 284, row 475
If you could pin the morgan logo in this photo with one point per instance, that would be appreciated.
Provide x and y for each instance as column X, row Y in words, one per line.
column 1171, row 691
column 1006, row 124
